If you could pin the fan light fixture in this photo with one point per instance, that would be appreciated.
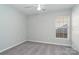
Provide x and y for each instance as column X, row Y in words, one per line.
column 39, row 7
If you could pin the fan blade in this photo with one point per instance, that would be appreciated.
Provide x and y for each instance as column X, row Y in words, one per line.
column 29, row 7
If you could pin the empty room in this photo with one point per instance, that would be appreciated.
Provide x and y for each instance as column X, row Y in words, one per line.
column 39, row 29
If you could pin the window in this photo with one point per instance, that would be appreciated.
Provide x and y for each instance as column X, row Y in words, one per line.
column 62, row 27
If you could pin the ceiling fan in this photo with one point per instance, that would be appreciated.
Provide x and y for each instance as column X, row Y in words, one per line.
column 38, row 7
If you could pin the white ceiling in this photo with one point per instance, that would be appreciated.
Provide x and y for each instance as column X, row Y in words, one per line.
column 31, row 8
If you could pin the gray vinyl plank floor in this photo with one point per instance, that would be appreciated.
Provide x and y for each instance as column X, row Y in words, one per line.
column 34, row 48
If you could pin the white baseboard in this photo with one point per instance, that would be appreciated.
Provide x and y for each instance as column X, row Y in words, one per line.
column 50, row 43
column 75, row 48
column 12, row 46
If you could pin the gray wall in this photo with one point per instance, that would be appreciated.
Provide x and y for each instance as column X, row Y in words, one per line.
column 41, row 28
column 75, row 27
column 13, row 27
